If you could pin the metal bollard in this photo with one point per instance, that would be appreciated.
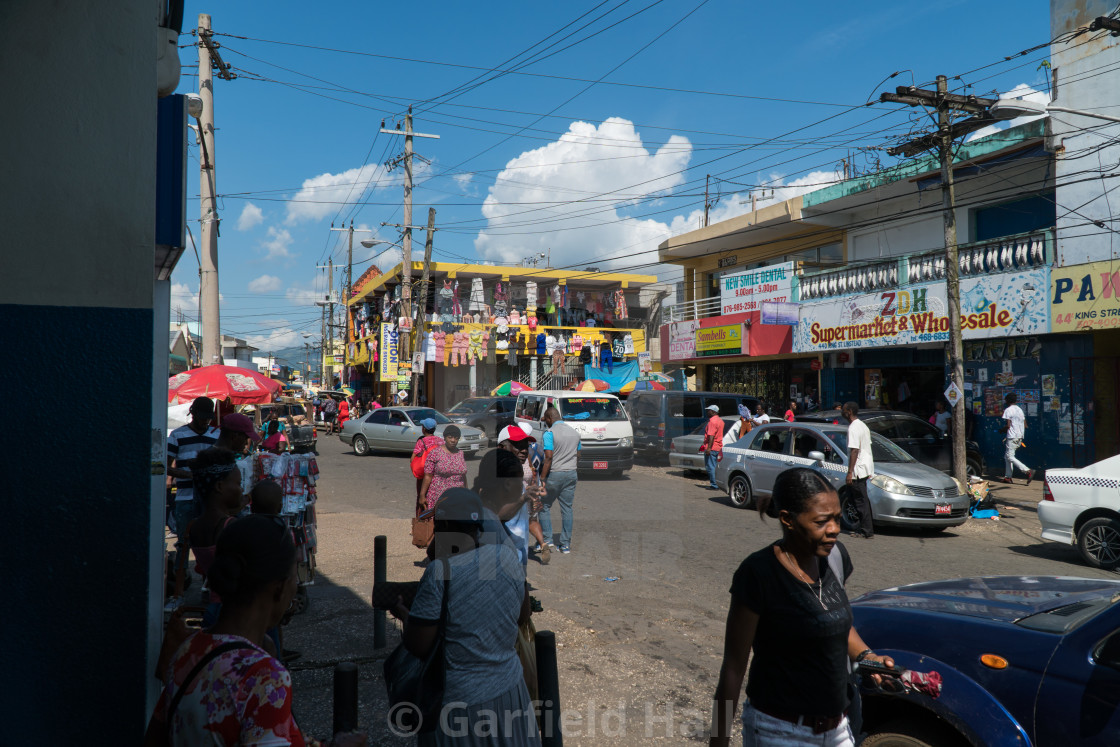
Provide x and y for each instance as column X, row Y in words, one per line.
column 345, row 697
column 548, row 688
column 379, row 553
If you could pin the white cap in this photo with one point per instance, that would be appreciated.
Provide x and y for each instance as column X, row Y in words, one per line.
column 714, row 408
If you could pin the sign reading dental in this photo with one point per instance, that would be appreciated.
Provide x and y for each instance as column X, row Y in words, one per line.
column 1085, row 297
column 1001, row 305
column 747, row 291
column 724, row 340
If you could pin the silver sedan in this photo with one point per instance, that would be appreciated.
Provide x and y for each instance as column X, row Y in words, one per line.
column 397, row 428
column 903, row 491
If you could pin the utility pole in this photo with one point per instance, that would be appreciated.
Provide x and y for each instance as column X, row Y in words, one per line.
column 406, row 243
column 330, row 320
column 422, row 301
column 209, row 60
column 707, row 179
column 947, row 131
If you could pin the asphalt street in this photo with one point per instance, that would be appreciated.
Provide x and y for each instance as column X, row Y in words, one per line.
column 638, row 606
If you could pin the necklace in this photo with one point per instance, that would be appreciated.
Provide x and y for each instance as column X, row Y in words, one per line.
column 808, row 581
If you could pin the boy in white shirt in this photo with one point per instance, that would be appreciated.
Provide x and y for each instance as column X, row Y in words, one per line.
column 1014, row 428
column 861, row 467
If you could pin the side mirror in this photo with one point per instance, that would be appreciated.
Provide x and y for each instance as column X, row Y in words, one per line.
column 816, row 456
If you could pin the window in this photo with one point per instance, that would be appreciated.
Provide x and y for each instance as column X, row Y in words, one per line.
column 882, row 450
column 805, row 442
column 591, row 408
column 424, row 414
column 397, row 418
column 685, row 406
column 1020, row 216
column 645, row 405
column 728, row 406
column 883, row 426
column 913, row 428
column 773, row 440
column 378, row 417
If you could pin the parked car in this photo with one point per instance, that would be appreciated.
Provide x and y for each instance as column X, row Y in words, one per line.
column 1024, row 660
column 1082, row 507
column 660, row 416
column 488, row 414
column 605, row 436
column 903, row 492
column 397, row 428
column 921, row 439
column 684, row 453
column 299, row 425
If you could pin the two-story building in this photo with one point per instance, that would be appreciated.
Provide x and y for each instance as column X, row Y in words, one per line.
column 482, row 325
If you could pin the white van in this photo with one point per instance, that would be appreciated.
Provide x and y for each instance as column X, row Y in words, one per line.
column 606, row 437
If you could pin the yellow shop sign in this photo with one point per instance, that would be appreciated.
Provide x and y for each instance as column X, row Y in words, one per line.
column 725, row 340
column 1085, row 297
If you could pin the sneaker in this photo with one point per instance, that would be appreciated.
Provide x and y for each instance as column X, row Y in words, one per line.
column 173, row 604
column 1030, row 476
column 564, row 550
column 544, row 554
column 1007, row 480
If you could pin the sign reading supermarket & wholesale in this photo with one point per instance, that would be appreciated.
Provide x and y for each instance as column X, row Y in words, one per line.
column 747, row 291
column 722, row 340
column 1004, row 305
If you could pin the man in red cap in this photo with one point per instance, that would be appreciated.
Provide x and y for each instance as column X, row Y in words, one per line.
column 518, row 439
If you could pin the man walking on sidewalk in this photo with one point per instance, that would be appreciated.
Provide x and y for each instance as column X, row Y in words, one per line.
column 1014, row 428
column 861, row 467
column 712, row 448
column 561, row 450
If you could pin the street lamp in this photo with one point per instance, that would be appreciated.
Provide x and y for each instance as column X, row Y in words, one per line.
column 1014, row 108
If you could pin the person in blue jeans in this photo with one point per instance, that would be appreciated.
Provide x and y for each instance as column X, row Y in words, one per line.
column 561, row 450
column 713, row 444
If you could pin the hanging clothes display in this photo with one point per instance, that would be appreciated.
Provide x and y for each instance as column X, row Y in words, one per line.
column 542, row 343
column 444, row 301
column 595, row 347
column 478, row 296
column 620, row 310
column 501, row 298
column 456, row 306
column 474, row 345
column 511, row 359
column 429, row 347
column 530, row 295
column 628, row 344
column 606, row 360
column 617, row 348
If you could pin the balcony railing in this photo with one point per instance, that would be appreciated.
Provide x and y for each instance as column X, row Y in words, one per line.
column 1023, row 251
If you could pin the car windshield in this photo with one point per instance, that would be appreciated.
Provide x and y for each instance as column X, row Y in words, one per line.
column 425, row 413
column 591, row 408
column 882, row 450
column 470, row 406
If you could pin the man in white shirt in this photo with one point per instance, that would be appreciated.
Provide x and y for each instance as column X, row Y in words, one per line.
column 1014, row 428
column 861, row 467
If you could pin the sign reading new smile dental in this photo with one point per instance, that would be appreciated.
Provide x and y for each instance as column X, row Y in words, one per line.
column 747, row 291
column 1004, row 305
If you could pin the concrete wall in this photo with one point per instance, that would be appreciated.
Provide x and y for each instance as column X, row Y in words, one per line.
column 77, row 226
column 1078, row 67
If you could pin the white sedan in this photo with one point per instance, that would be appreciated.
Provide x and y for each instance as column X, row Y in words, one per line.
column 1082, row 507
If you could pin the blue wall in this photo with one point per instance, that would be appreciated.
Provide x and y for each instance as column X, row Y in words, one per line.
column 77, row 493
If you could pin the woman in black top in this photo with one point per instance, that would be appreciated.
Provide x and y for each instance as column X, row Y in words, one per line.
column 789, row 606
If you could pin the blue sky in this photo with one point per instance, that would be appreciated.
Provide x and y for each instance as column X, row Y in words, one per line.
column 557, row 156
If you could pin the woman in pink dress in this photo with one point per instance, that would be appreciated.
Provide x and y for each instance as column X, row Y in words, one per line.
column 428, row 440
column 445, row 468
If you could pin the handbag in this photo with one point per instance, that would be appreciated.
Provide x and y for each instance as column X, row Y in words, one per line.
column 419, row 460
column 423, row 530
column 419, row 682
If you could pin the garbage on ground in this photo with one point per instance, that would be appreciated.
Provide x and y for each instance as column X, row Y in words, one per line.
column 611, row 578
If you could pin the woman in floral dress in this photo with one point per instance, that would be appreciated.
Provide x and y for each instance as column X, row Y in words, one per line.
column 428, row 440
column 445, row 468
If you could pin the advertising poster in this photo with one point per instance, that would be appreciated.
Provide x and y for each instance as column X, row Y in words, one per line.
column 741, row 292
column 645, row 363
column 387, row 366
column 723, row 340
column 1085, row 297
column 682, row 340
column 1049, row 386
column 992, row 306
column 780, row 313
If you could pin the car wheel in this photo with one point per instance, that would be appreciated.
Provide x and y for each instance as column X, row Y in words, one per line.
column 361, row 446
column 1099, row 542
column 972, row 468
column 849, row 513
column 740, row 491
column 909, row 734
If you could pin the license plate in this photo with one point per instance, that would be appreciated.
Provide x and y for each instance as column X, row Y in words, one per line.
column 599, row 465
column 942, row 509
column 474, row 447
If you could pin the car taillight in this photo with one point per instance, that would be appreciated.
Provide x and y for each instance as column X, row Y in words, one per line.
column 661, row 430
column 1046, row 494
column 673, row 445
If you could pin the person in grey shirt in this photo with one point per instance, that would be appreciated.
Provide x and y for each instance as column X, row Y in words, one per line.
column 561, row 450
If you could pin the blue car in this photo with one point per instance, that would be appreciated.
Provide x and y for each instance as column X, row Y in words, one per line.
column 1024, row 660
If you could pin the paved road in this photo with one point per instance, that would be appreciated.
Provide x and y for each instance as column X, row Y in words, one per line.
column 641, row 653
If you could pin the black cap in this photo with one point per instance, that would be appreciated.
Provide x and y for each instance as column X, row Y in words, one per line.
column 459, row 505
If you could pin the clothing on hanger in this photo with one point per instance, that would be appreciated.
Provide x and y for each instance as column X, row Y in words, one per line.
column 478, row 296
column 542, row 344
column 628, row 344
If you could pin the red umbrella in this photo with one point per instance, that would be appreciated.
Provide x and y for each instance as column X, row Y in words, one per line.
column 593, row 385
column 241, row 385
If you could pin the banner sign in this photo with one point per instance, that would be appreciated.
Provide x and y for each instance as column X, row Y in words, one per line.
column 747, row 291
column 1003, row 305
column 682, row 340
column 389, row 351
column 780, row 313
column 723, row 340
column 1085, row 297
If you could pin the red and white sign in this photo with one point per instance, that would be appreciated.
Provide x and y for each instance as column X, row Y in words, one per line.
column 815, row 364
column 682, row 340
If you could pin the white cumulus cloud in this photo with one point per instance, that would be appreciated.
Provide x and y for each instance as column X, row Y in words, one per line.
column 608, row 161
column 264, row 284
column 276, row 339
column 322, row 195
column 185, row 298
column 278, row 244
column 251, row 216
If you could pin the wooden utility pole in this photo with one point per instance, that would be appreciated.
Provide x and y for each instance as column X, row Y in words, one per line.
column 942, row 140
column 707, row 204
column 422, row 301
